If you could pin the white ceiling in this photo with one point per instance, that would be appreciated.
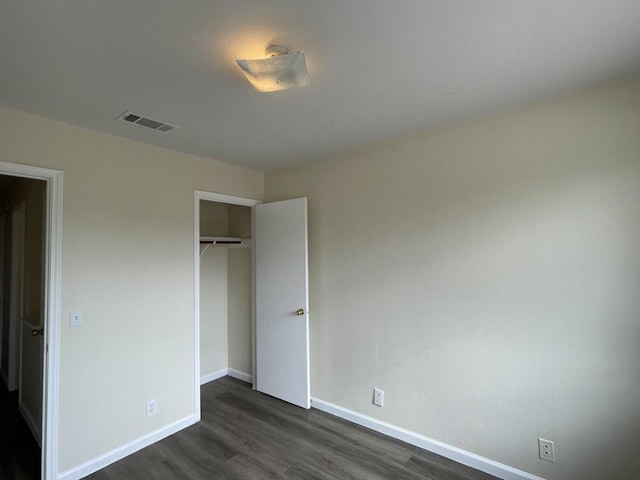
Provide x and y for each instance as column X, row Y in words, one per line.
column 380, row 69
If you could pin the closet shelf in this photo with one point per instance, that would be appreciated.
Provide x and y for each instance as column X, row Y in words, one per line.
column 229, row 242
column 221, row 241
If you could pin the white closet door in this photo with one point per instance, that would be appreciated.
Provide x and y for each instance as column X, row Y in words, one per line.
column 282, row 301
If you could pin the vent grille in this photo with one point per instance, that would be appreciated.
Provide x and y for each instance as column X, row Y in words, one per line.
column 130, row 117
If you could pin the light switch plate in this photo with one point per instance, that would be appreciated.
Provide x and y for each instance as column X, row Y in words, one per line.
column 75, row 318
column 378, row 397
column 152, row 407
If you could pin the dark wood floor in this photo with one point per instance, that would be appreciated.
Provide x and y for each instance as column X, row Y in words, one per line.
column 19, row 452
column 245, row 435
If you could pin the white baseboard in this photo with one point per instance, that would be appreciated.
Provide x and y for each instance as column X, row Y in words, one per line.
column 210, row 377
column 245, row 377
column 232, row 372
column 454, row 453
column 108, row 458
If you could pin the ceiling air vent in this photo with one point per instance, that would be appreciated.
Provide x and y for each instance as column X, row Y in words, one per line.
column 130, row 117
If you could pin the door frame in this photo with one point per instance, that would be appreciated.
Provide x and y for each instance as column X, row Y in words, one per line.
column 52, row 306
column 231, row 200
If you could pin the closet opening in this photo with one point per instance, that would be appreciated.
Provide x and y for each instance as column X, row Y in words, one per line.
column 252, row 294
column 225, row 291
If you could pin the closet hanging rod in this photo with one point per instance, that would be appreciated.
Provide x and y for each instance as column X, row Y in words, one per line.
column 220, row 241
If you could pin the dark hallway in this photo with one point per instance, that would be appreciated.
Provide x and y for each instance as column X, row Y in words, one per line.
column 22, row 208
column 19, row 454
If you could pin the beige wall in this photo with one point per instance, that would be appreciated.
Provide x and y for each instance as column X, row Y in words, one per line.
column 240, row 303
column 239, row 221
column 213, row 311
column 225, row 310
column 486, row 277
column 127, row 263
column 240, row 298
column 214, row 219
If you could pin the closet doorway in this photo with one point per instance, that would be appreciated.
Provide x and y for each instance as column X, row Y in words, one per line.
column 225, row 288
column 251, row 295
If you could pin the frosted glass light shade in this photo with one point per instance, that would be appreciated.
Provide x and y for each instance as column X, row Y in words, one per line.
column 278, row 72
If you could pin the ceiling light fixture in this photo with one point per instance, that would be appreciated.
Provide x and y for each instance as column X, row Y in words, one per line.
column 279, row 70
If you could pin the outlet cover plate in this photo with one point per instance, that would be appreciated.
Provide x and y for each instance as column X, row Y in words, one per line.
column 75, row 318
column 546, row 450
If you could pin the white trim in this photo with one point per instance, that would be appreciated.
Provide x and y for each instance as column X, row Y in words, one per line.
column 119, row 453
column 219, row 197
column 196, row 306
column 454, row 453
column 52, row 295
column 254, row 312
column 212, row 197
column 214, row 376
column 27, row 171
column 245, row 377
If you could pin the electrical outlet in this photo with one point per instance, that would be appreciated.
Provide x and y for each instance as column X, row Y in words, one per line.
column 378, row 397
column 546, row 450
column 75, row 318
column 152, row 407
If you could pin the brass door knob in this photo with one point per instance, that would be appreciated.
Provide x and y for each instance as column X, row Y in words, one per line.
column 300, row 312
column 37, row 331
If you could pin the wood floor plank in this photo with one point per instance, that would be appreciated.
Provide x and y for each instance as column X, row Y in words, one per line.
column 209, row 391
column 148, row 464
column 350, row 456
column 373, row 442
column 304, row 471
column 246, row 435
column 252, row 467
column 343, row 433
column 208, row 443
column 424, row 461
column 294, row 448
column 193, row 461
column 431, row 471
